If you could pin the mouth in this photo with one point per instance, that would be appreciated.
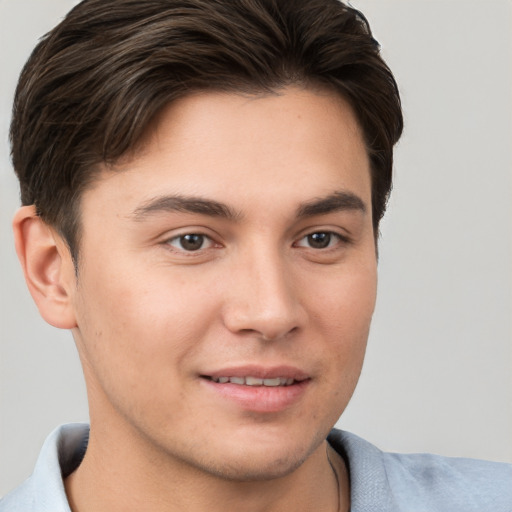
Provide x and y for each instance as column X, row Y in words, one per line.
column 255, row 381
column 258, row 389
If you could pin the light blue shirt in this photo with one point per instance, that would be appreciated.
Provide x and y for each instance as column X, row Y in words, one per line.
column 380, row 482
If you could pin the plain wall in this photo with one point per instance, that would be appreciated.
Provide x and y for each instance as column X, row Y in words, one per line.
column 438, row 374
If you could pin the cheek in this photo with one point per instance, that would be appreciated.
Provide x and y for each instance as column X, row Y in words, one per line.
column 346, row 301
column 343, row 313
column 131, row 324
column 138, row 336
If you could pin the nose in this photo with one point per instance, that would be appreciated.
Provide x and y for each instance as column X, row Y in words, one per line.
column 263, row 299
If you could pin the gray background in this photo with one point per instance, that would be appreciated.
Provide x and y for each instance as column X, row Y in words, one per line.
column 438, row 375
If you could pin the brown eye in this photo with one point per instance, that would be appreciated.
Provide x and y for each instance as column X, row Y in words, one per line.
column 189, row 242
column 319, row 240
column 322, row 240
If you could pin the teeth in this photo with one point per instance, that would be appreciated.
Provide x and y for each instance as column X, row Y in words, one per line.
column 272, row 382
column 255, row 381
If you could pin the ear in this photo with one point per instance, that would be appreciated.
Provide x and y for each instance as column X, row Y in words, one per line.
column 48, row 267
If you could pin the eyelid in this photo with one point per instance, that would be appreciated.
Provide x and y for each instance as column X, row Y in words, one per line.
column 181, row 249
column 343, row 239
column 175, row 235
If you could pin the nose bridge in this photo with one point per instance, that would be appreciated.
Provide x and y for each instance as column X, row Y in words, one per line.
column 263, row 298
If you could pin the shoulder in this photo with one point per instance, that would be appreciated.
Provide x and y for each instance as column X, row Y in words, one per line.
column 422, row 482
column 44, row 490
column 464, row 483
column 19, row 500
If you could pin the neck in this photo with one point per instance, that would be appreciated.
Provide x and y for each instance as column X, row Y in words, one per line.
column 121, row 474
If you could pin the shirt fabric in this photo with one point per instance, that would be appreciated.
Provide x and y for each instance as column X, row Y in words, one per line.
column 379, row 481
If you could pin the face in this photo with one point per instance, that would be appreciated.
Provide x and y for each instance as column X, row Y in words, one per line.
column 227, row 281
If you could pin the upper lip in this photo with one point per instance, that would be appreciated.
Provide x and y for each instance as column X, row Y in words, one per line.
column 260, row 372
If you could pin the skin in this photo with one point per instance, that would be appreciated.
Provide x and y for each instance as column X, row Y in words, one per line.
column 151, row 317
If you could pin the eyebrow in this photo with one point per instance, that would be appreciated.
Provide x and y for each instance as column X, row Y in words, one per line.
column 335, row 202
column 184, row 204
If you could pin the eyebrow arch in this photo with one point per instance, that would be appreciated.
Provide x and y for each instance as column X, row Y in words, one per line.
column 184, row 204
column 335, row 202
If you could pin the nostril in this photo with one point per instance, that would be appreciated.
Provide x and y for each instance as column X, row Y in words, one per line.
column 269, row 314
column 278, row 334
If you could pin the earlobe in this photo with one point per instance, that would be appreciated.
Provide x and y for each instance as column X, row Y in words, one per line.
column 47, row 266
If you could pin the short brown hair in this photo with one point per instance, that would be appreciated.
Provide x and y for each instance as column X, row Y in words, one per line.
column 94, row 83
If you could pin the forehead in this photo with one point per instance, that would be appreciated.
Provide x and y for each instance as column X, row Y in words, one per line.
column 293, row 144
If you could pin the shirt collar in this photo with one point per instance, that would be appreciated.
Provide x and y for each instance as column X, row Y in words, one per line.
column 369, row 486
column 60, row 455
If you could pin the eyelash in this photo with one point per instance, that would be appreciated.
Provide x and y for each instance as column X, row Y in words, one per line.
column 180, row 238
column 330, row 235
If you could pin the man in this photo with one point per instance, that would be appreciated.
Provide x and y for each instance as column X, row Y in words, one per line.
column 202, row 185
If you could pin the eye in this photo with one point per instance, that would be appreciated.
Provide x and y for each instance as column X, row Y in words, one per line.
column 191, row 242
column 319, row 240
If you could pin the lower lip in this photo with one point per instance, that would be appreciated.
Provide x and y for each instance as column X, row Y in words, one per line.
column 260, row 398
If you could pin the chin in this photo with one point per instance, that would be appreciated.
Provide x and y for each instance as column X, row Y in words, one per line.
column 246, row 469
column 251, row 461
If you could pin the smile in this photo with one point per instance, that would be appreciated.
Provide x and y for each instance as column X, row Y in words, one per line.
column 255, row 381
column 258, row 388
